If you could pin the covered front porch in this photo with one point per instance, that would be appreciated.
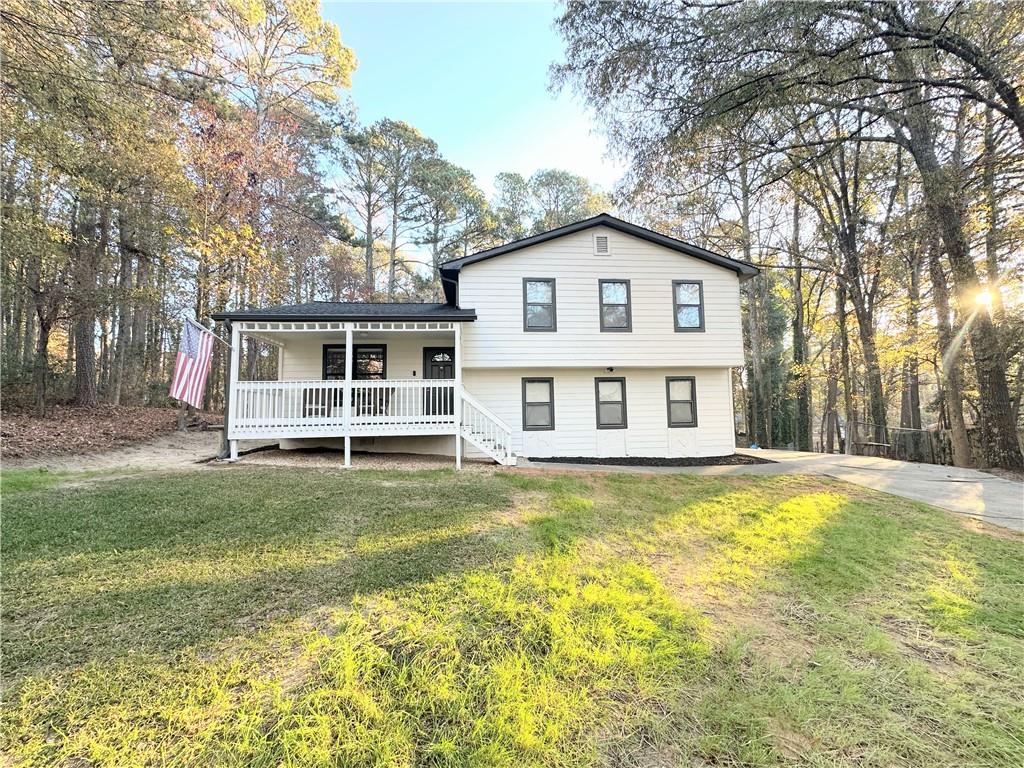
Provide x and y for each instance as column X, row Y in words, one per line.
column 359, row 379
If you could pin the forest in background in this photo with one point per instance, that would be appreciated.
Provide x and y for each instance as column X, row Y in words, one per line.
column 869, row 157
column 169, row 159
column 162, row 160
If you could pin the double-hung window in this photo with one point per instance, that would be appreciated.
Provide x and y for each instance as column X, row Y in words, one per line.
column 538, row 404
column 682, row 401
column 539, row 304
column 611, row 402
column 688, row 304
column 616, row 314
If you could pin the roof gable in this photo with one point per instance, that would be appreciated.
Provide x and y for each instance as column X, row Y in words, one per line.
column 450, row 269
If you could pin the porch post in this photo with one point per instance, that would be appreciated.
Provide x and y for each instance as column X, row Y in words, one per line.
column 236, row 350
column 458, row 395
column 348, row 396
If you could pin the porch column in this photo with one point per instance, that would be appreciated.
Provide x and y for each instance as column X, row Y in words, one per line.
column 348, row 396
column 236, row 351
column 458, row 395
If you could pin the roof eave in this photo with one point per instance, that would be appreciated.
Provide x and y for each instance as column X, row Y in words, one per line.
column 308, row 318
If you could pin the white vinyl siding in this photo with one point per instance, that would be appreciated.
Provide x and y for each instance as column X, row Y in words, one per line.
column 494, row 288
column 302, row 355
column 576, row 432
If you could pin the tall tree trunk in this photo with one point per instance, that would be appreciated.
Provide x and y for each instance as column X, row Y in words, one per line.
column 87, row 256
column 952, row 389
column 831, row 422
column 136, row 362
column 844, row 351
column 41, row 366
column 942, row 197
column 801, row 384
column 368, row 253
column 992, row 271
column 910, row 405
column 122, row 334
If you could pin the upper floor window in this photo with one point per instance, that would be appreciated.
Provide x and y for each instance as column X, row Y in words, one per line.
column 616, row 314
column 688, row 304
column 539, row 304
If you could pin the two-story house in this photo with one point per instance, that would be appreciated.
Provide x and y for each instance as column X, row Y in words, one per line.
column 597, row 339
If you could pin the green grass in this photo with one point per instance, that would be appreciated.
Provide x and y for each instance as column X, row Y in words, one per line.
column 284, row 617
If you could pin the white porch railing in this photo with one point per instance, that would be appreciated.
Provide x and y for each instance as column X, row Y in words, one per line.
column 315, row 408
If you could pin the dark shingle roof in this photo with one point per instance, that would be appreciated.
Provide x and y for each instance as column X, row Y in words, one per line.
column 351, row 310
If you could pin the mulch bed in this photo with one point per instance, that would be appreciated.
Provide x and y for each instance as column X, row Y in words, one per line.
column 71, row 430
column 653, row 461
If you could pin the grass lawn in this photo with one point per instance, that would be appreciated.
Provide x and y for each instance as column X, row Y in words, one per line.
column 267, row 617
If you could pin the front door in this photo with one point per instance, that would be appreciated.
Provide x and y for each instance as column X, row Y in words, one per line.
column 439, row 363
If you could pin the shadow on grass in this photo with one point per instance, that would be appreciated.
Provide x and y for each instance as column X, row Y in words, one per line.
column 155, row 565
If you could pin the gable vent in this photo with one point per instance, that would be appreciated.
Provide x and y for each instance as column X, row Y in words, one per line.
column 601, row 245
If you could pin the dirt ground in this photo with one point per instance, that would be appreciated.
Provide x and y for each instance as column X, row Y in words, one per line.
column 335, row 460
column 174, row 451
column 69, row 430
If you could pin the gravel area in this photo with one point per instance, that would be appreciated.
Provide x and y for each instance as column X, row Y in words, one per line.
column 323, row 458
column 735, row 459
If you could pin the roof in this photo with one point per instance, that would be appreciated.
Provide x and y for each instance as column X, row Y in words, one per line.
column 351, row 310
column 451, row 268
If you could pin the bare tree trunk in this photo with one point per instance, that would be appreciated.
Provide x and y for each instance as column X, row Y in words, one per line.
column 952, row 390
column 844, row 349
column 136, row 362
column 910, row 405
column 801, row 383
column 831, row 422
column 87, row 257
column 122, row 336
column 942, row 194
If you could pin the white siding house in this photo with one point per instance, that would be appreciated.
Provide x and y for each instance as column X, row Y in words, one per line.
column 598, row 339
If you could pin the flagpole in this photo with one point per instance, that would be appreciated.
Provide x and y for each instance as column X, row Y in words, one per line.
column 208, row 330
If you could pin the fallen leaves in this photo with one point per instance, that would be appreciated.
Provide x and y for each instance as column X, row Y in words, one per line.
column 71, row 430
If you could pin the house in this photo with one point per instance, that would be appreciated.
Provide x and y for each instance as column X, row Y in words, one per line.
column 596, row 339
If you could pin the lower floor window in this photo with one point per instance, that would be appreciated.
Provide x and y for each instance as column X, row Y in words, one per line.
column 538, row 404
column 611, row 402
column 682, row 401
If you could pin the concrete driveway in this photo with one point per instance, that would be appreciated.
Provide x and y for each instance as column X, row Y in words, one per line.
column 965, row 491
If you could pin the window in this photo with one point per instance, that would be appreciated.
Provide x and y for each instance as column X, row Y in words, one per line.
column 688, row 304
column 538, row 404
column 539, row 304
column 369, row 361
column 615, row 312
column 611, row 402
column 682, row 401
column 334, row 361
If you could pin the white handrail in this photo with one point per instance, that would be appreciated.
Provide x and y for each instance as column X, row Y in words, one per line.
column 485, row 410
column 485, row 430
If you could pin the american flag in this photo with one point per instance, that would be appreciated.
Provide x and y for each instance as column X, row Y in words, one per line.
column 193, row 364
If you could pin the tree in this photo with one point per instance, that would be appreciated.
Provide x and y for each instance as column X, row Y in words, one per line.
column 402, row 149
column 664, row 74
column 512, row 206
column 560, row 198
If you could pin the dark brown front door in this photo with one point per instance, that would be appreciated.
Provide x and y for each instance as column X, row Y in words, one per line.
column 439, row 363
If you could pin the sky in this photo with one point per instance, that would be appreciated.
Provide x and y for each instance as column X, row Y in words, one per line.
column 474, row 78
